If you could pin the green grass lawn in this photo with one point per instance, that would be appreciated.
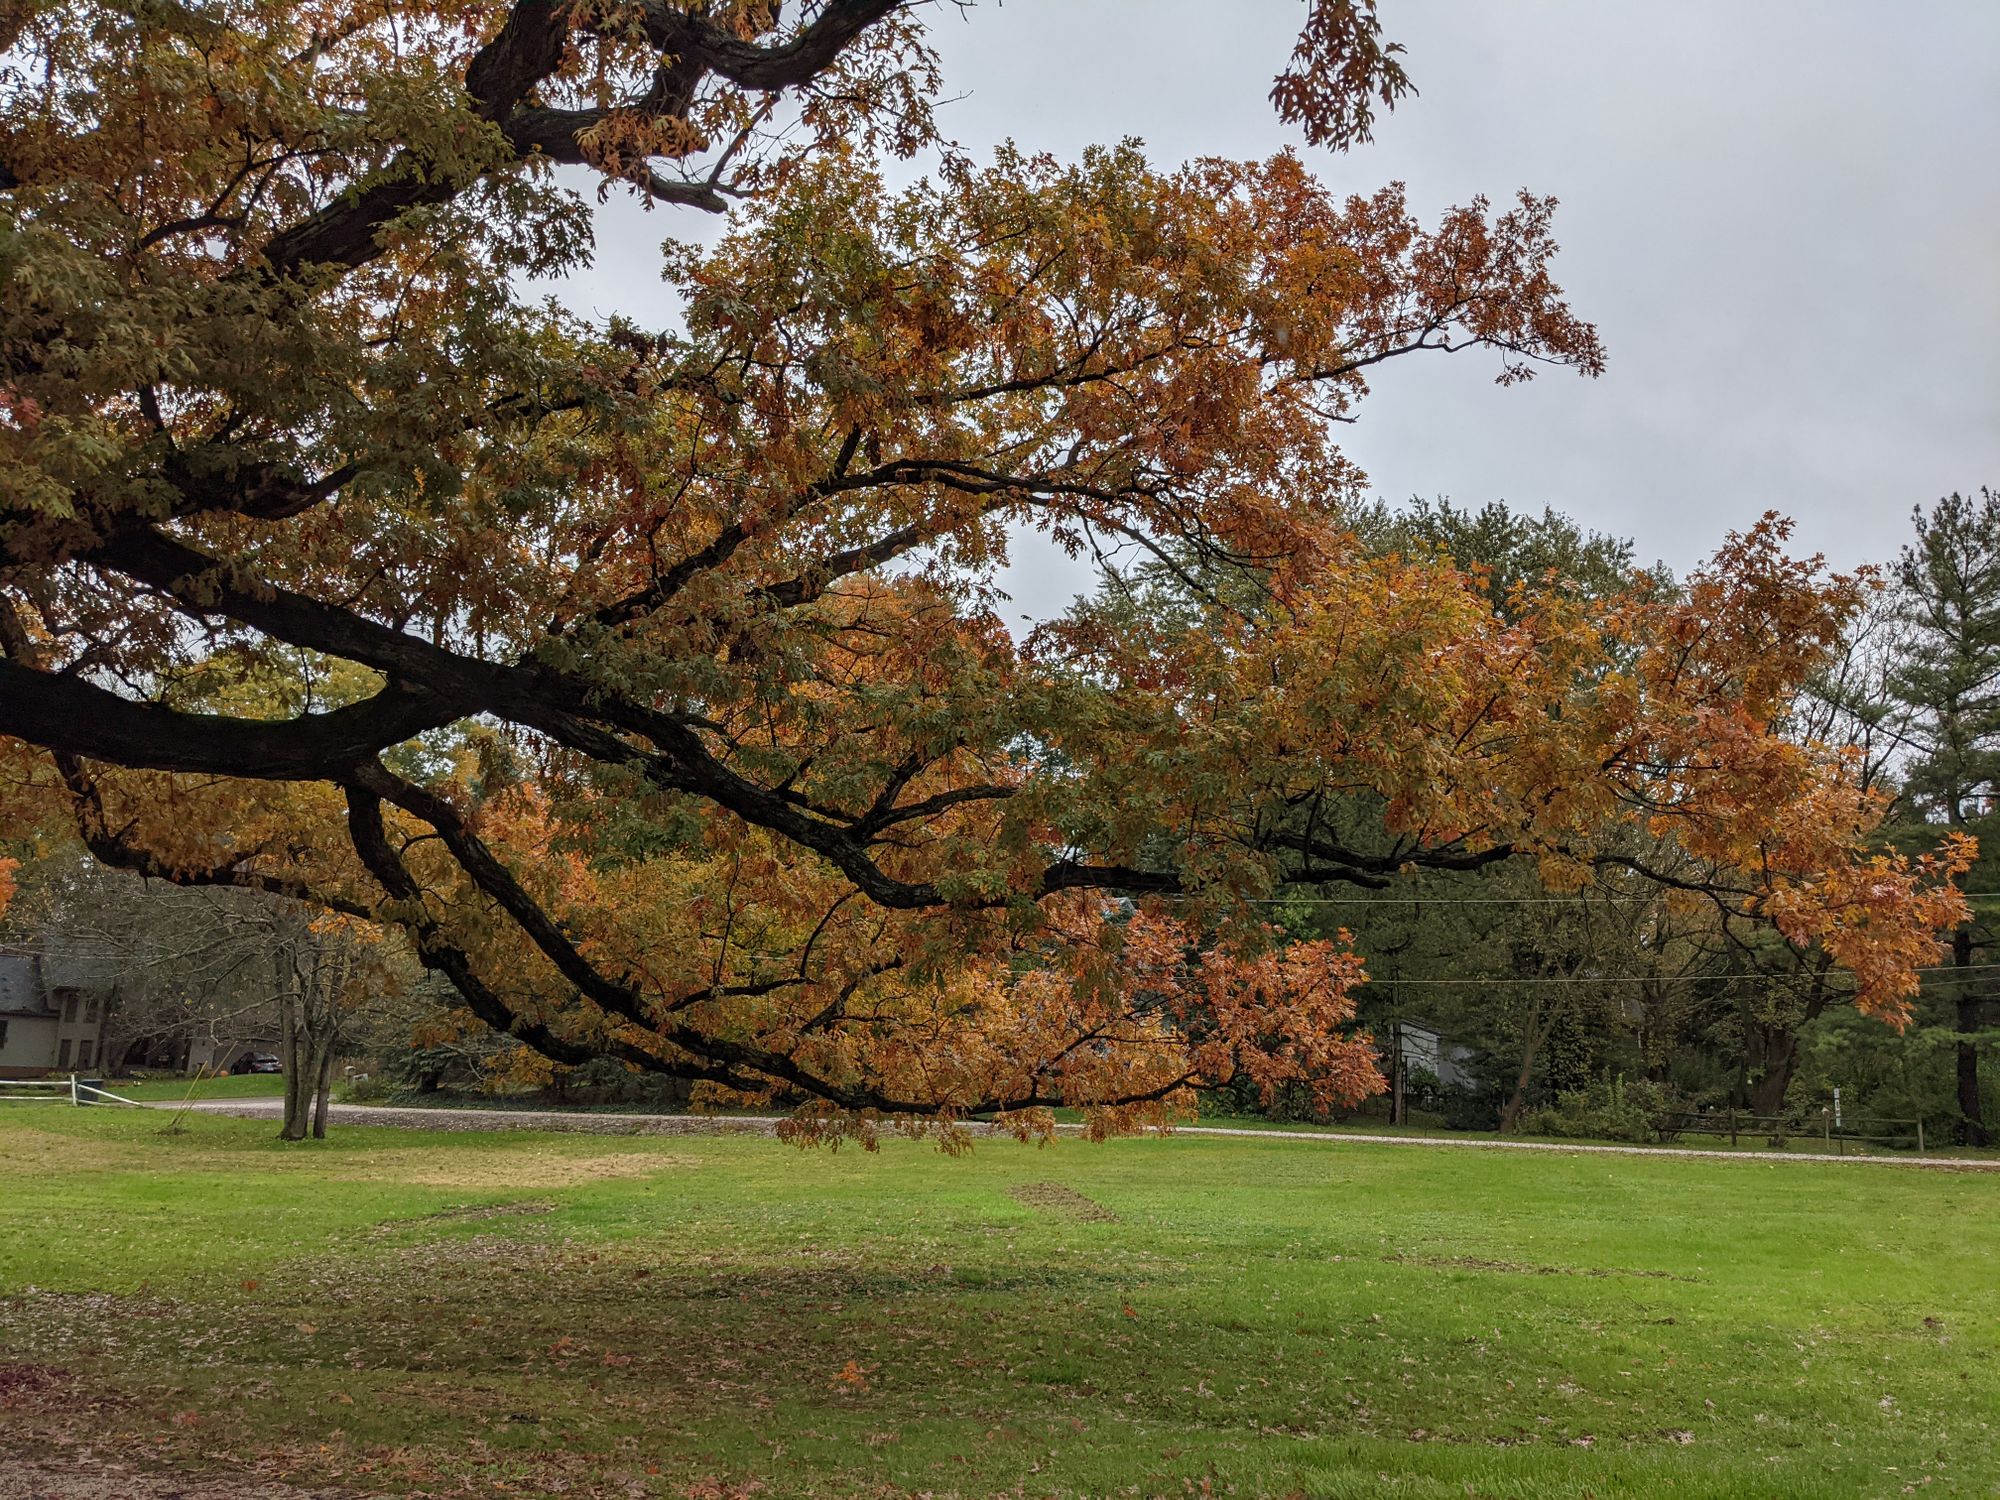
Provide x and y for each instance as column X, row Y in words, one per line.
column 539, row 1314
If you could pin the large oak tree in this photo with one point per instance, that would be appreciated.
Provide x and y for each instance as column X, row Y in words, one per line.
column 674, row 723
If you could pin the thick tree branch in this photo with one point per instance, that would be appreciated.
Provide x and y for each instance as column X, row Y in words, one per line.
column 67, row 714
column 438, row 953
column 686, row 36
column 504, row 74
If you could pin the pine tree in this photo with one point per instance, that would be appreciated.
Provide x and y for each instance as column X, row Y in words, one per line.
column 1949, row 679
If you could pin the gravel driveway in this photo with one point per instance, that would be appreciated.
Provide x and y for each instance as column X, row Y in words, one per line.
column 590, row 1123
column 584, row 1122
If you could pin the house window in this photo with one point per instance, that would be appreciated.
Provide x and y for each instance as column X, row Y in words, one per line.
column 83, row 1051
column 62, row 1053
column 69, row 1006
column 90, row 1008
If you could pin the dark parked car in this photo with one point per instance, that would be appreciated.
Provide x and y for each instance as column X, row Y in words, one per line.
column 257, row 1062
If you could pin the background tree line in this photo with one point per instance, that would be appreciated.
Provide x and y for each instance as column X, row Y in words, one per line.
column 1552, row 992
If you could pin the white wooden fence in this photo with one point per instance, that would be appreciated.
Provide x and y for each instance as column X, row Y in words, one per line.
column 70, row 1090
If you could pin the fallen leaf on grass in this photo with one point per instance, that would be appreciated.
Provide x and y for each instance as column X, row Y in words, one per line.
column 722, row 1489
column 852, row 1376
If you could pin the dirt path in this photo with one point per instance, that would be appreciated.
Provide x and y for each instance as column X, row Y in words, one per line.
column 632, row 1124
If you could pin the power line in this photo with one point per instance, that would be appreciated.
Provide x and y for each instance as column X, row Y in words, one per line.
column 1533, row 979
column 1470, row 900
column 1432, row 900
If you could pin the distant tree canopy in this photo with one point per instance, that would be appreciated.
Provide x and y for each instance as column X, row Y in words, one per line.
column 649, row 679
column 1510, row 550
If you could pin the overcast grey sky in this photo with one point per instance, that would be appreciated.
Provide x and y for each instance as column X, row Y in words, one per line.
column 1783, row 215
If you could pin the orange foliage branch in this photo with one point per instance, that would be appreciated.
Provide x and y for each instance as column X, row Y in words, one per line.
column 652, row 682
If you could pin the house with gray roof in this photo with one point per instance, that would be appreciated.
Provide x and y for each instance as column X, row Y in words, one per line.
column 51, row 1017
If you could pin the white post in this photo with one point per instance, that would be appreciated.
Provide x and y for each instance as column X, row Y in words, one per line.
column 72, row 1088
column 1836, row 1107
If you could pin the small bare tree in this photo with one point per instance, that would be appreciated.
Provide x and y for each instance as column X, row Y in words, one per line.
column 315, row 969
column 328, row 963
column 217, row 966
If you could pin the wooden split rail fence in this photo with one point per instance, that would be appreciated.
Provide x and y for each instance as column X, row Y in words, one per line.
column 1777, row 1129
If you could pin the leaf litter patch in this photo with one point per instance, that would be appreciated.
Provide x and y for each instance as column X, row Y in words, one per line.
column 506, row 1169
column 30, row 1387
column 470, row 1213
column 1061, row 1200
column 90, row 1478
column 1523, row 1268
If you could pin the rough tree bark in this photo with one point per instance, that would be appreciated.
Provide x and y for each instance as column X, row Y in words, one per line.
column 1971, row 1005
column 288, row 1052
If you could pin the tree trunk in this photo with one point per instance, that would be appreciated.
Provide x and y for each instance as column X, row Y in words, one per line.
column 1776, row 1049
column 1780, row 1056
column 1510, row 1112
column 312, row 1033
column 1781, row 1060
column 322, row 1089
column 291, row 1049
column 1968, row 1078
column 1397, row 1110
column 1972, row 1125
